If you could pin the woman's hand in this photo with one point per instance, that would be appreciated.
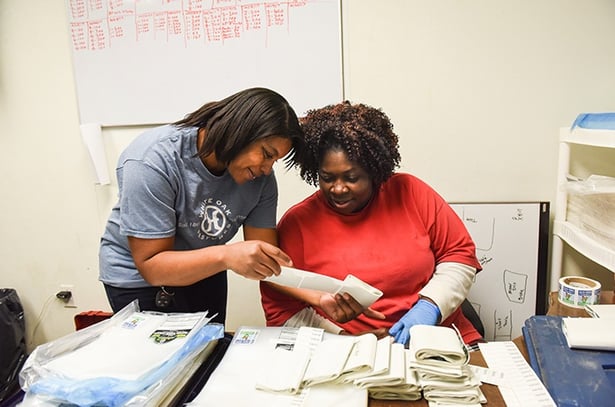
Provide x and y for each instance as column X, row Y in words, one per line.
column 160, row 264
column 379, row 332
column 255, row 259
column 343, row 308
column 424, row 312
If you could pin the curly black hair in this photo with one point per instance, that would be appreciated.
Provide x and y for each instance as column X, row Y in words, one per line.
column 364, row 133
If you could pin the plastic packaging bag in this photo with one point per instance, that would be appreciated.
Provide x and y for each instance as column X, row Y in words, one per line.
column 596, row 121
column 591, row 203
column 46, row 385
column 12, row 341
column 594, row 184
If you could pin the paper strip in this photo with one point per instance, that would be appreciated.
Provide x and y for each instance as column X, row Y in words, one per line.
column 91, row 134
column 364, row 293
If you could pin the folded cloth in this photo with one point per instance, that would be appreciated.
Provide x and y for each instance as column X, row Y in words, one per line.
column 599, row 121
column 381, row 363
column 442, row 382
column 455, row 397
column 410, row 389
column 436, row 371
column 394, row 393
column 437, row 346
column 284, row 371
column 470, row 397
column 395, row 375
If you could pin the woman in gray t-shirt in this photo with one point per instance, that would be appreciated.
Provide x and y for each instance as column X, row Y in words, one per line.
column 184, row 191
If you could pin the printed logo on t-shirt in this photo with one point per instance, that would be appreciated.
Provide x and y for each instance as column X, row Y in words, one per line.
column 214, row 223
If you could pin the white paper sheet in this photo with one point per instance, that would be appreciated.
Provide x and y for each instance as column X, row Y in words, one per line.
column 520, row 387
column 234, row 382
column 91, row 134
column 601, row 310
column 589, row 333
column 364, row 293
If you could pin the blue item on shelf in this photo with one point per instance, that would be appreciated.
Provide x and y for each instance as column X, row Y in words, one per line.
column 595, row 121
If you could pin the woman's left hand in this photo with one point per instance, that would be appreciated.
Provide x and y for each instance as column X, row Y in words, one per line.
column 379, row 332
column 343, row 308
column 424, row 312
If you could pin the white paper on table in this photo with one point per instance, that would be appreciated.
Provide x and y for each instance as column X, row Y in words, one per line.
column 601, row 310
column 520, row 386
column 364, row 293
column 486, row 375
column 234, row 382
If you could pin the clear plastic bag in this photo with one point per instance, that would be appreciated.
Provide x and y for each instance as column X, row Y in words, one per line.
column 591, row 205
column 45, row 386
column 594, row 184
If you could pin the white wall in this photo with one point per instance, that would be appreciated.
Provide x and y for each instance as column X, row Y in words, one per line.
column 477, row 91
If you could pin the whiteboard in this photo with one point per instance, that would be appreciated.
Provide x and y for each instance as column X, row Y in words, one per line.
column 512, row 247
column 153, row 61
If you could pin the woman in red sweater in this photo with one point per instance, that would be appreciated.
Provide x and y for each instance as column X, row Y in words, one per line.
column 389, row 229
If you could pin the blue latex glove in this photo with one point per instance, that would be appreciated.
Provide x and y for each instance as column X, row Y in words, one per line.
column 423, row 313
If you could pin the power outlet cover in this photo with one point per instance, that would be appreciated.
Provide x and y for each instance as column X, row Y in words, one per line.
column 71, row 301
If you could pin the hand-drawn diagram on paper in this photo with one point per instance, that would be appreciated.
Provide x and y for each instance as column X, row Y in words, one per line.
column 507, row 246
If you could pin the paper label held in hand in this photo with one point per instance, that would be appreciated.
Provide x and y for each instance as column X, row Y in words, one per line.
column 364, row 293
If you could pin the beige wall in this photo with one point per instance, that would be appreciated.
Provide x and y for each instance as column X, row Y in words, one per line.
column 477, row 90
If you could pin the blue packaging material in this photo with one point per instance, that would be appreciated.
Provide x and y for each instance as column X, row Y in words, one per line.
column 113, row 392
column 595, row 121
column 573, row 377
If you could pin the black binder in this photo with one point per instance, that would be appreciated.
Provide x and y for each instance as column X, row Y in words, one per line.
column 200, row 377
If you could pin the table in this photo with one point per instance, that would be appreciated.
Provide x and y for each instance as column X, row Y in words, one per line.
column 559, row 309
column 494, row 398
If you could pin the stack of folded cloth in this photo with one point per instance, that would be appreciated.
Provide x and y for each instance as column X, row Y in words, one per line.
column 591, row 202
column 440, row 358
column 434, row 367
column 364, row 362
column 390, row 379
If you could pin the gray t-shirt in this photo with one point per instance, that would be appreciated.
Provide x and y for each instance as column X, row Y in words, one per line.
column 166, row 190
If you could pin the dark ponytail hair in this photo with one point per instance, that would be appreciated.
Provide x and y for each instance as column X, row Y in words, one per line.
column 231, row 124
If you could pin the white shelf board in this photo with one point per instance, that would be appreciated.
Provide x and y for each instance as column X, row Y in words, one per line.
column 589, row 137
column 585, row 244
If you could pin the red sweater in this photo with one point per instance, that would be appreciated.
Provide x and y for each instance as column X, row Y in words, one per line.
column 394, row 244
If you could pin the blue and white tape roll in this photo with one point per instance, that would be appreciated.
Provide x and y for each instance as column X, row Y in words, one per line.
column 578, row 292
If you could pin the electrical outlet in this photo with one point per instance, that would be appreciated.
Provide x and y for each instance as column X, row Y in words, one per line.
column 70, row 302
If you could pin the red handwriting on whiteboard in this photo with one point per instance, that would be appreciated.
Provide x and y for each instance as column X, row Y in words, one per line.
column 97, row 25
